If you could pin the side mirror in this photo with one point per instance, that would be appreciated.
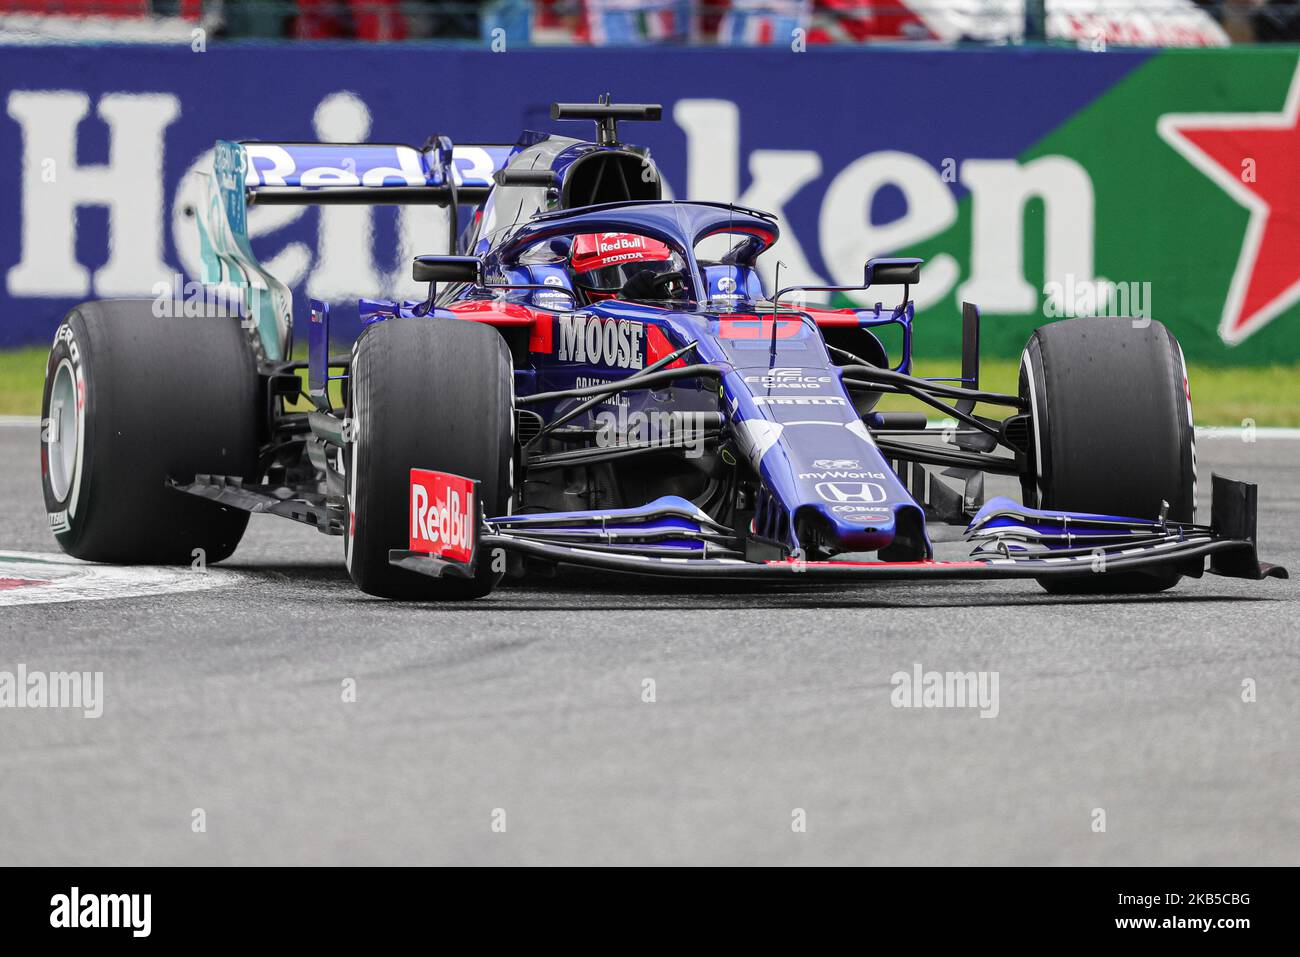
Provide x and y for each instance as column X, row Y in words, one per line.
column 878, row 272
column 892, row 272
column 446, row 269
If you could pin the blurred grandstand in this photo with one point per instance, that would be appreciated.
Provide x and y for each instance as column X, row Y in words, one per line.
column 1153, row 23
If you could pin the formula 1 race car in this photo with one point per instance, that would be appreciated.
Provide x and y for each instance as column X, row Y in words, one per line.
column 599, row 379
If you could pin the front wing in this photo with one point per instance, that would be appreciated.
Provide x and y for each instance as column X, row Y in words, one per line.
column 624, row 546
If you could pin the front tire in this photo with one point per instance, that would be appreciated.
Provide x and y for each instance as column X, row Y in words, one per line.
column 432, row 394
column 130, row 401
column 1113, row 431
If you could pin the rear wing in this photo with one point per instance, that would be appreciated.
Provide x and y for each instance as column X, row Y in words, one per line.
column 370, row 173
column 254, row 173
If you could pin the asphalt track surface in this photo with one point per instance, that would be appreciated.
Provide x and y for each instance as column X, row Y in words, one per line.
column 229, row 699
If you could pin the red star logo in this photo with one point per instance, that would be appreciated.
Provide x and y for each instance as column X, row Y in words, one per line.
column 1255, row 158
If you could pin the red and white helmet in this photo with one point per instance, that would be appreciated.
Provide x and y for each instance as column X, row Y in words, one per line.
column 602, row 263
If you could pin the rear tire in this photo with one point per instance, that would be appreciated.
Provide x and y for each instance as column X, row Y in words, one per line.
column 1112, row 431
column 131, row 400
column 432, row 394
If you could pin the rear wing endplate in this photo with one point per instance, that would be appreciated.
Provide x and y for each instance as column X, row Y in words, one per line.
column 254, row 173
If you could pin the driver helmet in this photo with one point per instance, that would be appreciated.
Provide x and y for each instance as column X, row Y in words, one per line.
column 602, row 263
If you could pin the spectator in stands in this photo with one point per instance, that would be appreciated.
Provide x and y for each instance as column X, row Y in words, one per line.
column 256, row 18
column 362, row 19
column 1277, row 21
column 442, row 19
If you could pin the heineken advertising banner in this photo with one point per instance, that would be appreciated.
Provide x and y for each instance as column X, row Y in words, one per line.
column 1035, row 182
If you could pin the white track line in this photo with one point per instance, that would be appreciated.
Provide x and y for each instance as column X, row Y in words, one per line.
column 1210, row 432
column 1238, row 434
column 34, row 578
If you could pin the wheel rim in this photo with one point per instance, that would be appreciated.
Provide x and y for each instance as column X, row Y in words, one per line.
column 62, row 431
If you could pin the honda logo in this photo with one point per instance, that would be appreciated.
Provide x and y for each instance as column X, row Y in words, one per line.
column 845, row 493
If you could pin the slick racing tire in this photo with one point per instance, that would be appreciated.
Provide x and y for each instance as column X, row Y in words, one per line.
column 130, row 401
column 1113, row 432
column 433, row 394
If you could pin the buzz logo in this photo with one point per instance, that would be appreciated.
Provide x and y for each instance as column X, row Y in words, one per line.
column 616, row 343
column 851, row 493
column 873, row 516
